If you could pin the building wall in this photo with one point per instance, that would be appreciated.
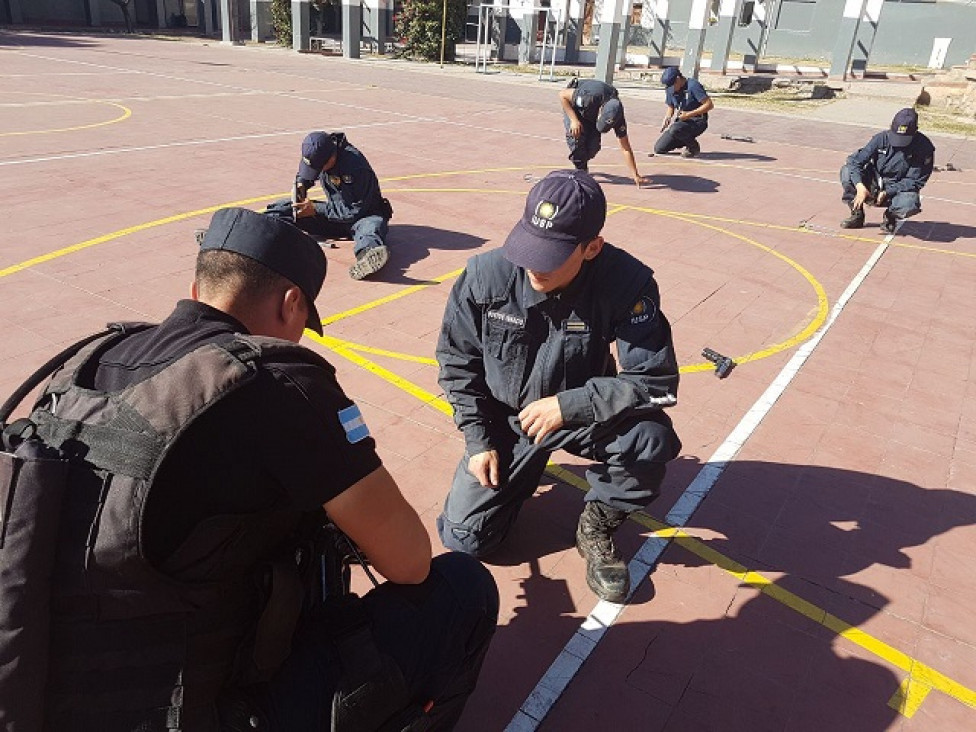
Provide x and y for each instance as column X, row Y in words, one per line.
column 72, row 12
column 806, row 29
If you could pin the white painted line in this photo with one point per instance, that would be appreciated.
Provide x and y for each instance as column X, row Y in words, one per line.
column 553, row 683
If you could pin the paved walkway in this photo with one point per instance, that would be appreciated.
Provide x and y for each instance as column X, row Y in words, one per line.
column 810, row 558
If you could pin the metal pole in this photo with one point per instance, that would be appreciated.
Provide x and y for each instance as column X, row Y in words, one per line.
column 443, row 32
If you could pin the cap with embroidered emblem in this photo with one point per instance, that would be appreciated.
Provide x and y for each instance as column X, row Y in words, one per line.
column 317, row 148
column 670, row 75
column 610, row 115
column 903, row 127
column 273, row 242
column 563, row 210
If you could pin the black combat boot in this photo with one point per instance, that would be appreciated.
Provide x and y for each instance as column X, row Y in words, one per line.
column 888, row 222
column 855, row 220
column 691, row 150
column 606, row 573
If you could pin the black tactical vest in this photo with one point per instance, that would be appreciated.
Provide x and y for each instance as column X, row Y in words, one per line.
column 93, row 637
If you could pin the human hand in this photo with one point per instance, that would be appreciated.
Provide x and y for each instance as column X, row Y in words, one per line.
column 303, row 209
column 484, row 467
column 860, row 196
column 541, row 418
column 665, row 123
column 575, row 128
column 640, row 180
column 882, row 197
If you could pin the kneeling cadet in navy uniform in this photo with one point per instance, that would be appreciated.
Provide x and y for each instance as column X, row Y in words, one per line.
column 525, row 361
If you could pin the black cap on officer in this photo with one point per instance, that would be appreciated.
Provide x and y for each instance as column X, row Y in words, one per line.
column 903, row 127
column 562, row 211
column 317, row 148
column 278, row 245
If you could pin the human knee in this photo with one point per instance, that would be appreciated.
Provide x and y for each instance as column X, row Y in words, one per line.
column 904, row 205
column 470, row 580
column 460, row 537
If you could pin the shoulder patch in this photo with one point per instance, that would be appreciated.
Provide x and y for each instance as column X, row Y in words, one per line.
column 347, row 179
column 643, row 311
column 335, row 180
column 353, row 423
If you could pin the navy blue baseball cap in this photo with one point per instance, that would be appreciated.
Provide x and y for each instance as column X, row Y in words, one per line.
column 670, row 76
column 278, row 245
column 610, row 115
column 317, row 148
column 903, row 127
column 563, row 210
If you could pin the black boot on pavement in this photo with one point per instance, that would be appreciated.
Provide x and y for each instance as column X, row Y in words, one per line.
column 369, row 261
column 855, row 220
column 691, row 150
column 889, row 222
column 606, row 573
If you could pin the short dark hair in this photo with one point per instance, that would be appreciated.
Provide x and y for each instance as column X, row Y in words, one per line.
column 220, row 270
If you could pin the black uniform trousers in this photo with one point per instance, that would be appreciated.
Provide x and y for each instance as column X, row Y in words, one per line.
column 584, row 149
column 629, row 465
column 902, row 205
column 436, row 634
column 679, row 133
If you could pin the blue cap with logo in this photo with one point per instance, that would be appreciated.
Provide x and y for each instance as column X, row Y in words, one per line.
column 317, row 148
column 903, row 127
column 273, row 242
column 563, row 210
column 670, row 76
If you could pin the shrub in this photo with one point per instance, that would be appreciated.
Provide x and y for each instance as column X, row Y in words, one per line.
column 418, row 27
column 281, row 21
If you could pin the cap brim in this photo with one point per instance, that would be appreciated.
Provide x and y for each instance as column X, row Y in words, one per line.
column 307, row 172
column 526, row 249
column 314, row 322
column 899, row 140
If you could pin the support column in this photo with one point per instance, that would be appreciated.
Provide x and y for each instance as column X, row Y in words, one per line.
column 658, row 39
column 500, row 27
column 261, row 28
column 624, row 34
column 301, row 23
column 755, row 36
column 528, row 23
column 94, row 13
column 16, row 14
column 229, row 25
column 846, row 37
column 206, row 23
column 697, row 25
column 352, row 28
column 728, row 19
column 866, row 34
column 161, row 17
column 574, row 30
column 606, row 52
column 377, row 21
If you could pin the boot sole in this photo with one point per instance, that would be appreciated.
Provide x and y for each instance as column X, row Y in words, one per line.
column 370, row 263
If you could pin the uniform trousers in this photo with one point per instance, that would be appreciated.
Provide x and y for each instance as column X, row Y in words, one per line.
column 679, row 133
column 366, row 233
column 584, row 149
column 629, row 465
column 902, row 205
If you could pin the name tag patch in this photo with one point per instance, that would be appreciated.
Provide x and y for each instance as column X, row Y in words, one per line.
column 506, row 318
column 353, row 423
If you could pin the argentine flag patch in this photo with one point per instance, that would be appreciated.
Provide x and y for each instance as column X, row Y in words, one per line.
column 354, row 425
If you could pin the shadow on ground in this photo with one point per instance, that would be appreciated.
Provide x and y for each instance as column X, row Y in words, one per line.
column 937, row 231
column 754, row 657
column 410, row 244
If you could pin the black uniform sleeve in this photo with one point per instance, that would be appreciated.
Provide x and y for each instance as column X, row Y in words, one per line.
column 866, row 155
column 460, row 357
column 922, row 164
column 647, row 376
column 317, row 444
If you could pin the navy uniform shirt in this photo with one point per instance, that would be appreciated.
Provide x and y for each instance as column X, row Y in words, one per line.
column 691, row 97
column 901, row 169
column 287, row 439
column 503, row 345
column 588, row 96
column 352, row 189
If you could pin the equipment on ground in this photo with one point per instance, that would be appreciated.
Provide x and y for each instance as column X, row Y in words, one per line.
column 737, row 138
column 723, row 364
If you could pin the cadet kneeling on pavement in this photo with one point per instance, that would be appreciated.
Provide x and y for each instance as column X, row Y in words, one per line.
column 889, row 171
column 354, row 207
column 525, row 362
column 688, row 99
column 191, row 589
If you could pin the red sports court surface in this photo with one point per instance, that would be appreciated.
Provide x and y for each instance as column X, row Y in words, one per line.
column 826, row 579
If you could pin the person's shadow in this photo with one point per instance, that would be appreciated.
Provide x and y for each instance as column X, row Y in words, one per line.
column 686, row 183
column 938, row 231
column 410, row 243
column 720, row 155
column 766, row 660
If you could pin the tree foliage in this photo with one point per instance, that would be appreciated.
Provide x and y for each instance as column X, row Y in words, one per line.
column 281, row 21
column 418, row 27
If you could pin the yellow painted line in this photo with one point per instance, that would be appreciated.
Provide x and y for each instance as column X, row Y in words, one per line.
column 341, row 347
column 123, row 232
column 921, row 679
column 389, row 298
column 809, row 330
column 360, row 348
column 126, row 113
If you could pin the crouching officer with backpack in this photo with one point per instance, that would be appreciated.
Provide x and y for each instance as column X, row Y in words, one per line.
column 161, row 534
column 353, row 208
